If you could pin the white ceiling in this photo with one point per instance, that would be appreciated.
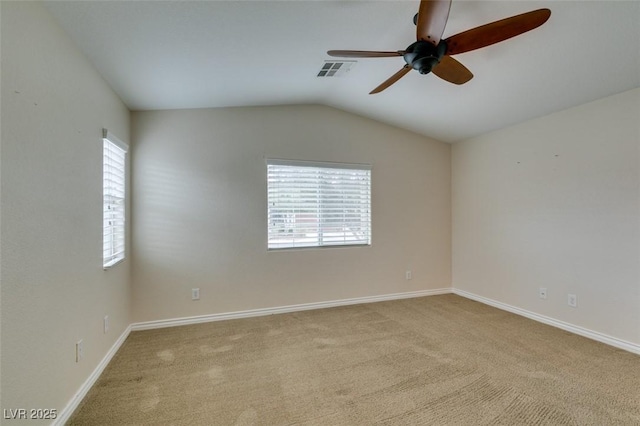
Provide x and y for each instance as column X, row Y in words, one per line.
column 187, row 54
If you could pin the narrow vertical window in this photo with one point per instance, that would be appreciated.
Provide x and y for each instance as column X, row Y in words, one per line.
column 318, row 204
column 113, row 195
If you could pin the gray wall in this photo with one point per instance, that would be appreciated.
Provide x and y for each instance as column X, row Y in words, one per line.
column 200, row 210
column 555, row 202
column 54, row 291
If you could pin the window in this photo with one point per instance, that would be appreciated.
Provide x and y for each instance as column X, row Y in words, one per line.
column 318, row 204
column 113, row 195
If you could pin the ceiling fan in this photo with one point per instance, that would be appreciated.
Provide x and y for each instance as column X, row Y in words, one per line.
column 432, row 54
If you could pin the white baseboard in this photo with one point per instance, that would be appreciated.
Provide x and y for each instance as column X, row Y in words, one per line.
column 594, row 335
column 71, row 406
column 148, row 325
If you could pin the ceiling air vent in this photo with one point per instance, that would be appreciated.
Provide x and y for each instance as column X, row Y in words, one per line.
column 335, row 69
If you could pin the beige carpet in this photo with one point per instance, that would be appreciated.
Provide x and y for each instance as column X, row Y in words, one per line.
column 441, row 360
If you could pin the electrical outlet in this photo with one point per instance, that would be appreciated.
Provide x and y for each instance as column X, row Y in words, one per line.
column 105, row 324
column 542, row 292
column 572, row 300
column 195, row 294
column 408, row 275
column 79, row 350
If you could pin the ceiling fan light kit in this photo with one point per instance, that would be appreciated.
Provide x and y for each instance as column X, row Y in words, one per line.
column 431, row 54
column 423, row 56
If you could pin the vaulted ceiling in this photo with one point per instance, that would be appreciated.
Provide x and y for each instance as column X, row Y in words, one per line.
column 187, row 54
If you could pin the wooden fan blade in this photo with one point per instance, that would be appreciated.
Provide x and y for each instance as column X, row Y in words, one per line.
column 495, row 32
column 432, row 18
column 363, row 53
column 397, row 76
column 451, row 70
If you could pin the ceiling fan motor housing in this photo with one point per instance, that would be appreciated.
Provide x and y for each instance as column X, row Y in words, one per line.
column 422, row 56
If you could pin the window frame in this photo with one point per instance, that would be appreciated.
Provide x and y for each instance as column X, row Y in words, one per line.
column 114, row 257
column 326, row 165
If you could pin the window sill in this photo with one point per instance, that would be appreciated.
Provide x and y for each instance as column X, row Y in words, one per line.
column 112, row 264
column 341, row 246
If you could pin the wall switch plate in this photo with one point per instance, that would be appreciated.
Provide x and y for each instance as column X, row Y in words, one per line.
column 542, row 292
column 79, row 350
column 195, row 294
column 572, row 300
column 408, row 275
column 105, row 324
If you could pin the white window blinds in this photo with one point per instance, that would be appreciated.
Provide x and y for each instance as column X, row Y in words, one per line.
column 113, row 192
column 318, row 204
